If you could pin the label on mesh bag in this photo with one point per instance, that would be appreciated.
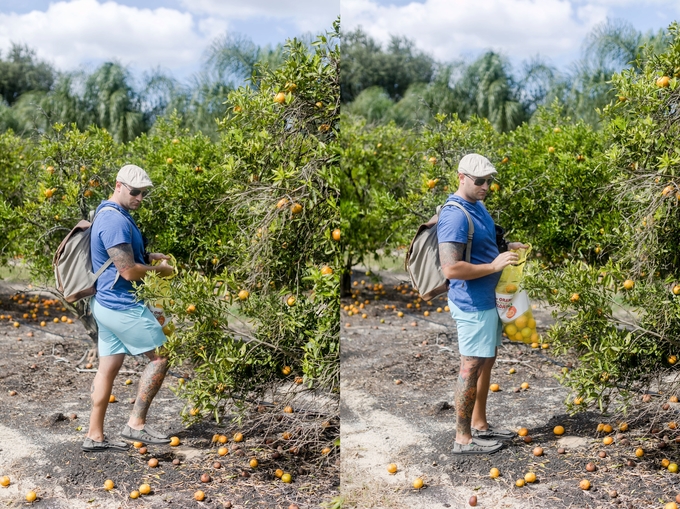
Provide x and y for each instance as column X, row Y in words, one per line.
column 511, row 305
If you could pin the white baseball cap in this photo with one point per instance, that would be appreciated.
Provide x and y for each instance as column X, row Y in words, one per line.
column 134, row 176
column 476, row 166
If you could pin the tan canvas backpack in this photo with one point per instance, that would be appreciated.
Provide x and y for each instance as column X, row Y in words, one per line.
column 72, row 263
column 422, row 257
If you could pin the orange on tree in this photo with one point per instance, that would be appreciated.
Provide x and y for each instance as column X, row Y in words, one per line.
column 628, row 284
column 336, row 234
column 280, row 97
column 663, row 81
column 243, row 294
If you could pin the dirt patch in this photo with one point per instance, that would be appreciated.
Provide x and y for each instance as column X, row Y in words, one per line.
column 45, row 413
column 397, row 407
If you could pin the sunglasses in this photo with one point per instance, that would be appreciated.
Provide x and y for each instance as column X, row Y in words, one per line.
column 136, row 192
column 478, row 181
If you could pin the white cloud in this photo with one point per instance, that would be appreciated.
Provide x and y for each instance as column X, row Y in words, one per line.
column 70, row 33
column 308, row 15
column 264, row 8
column 447, row 30
column 520, row 29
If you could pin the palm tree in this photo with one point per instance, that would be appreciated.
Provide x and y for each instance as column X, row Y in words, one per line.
column 113, row 103
column 488, row 90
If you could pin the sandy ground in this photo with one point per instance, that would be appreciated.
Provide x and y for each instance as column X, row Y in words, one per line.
column 412, row 423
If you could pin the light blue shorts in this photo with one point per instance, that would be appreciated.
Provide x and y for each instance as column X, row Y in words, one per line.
column 479, row 332
column 131, row 331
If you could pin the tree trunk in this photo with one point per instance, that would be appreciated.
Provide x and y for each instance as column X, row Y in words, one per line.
column 346, row 282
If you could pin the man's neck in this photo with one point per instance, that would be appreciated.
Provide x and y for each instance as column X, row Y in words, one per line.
column 466, row 198
column 114, row 199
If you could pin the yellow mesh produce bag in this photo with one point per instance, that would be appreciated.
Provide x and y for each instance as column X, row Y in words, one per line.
column 512, row 303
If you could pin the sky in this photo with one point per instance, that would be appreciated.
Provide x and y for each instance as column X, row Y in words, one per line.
column 520, row 29
column 172, row 35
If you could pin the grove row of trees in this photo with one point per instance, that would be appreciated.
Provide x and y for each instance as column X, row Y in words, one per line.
column 34, row 95
column 601, row 208
column 403, row 84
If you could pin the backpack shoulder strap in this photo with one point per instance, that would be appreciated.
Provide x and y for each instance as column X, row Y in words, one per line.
column 471, row 226
column 108, row 262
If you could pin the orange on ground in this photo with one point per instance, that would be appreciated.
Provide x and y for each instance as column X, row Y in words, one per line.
column 222, row 451
column 519, row 483
column 31, row 496
column 494, row 387
column 4, row 481
column 238, row 437
column 287, row 478
column 584, row 484
column 558, row 430
column 199, row 495
column 112, row 399
column 278, row 473
column 134, row 494
column 144, row 489
column 254, row 463
column 607, row 440
column 530, row 477
column 524, row 385
column 108, row 485
column 523, row 432
column 418, row 483
column 153, row 463
column 392, row 468
column 174, row 441
column 494, row 472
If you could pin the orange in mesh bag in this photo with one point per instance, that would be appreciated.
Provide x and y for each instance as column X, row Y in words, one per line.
column 513, row 305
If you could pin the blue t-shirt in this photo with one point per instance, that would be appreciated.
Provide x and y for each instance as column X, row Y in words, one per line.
column 112, row 228
column 474, row 294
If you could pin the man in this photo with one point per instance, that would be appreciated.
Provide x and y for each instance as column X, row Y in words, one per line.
column 126, row 327
column 472, row 301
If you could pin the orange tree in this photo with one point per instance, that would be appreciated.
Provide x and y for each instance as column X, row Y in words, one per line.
column 256, row 301
column 554, row 192
column 624, row 316
column 16, row 154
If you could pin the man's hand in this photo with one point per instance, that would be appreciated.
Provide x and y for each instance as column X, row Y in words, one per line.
column 504, row 259
column 517, row 245
column 163, row 269
column 158, row 256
